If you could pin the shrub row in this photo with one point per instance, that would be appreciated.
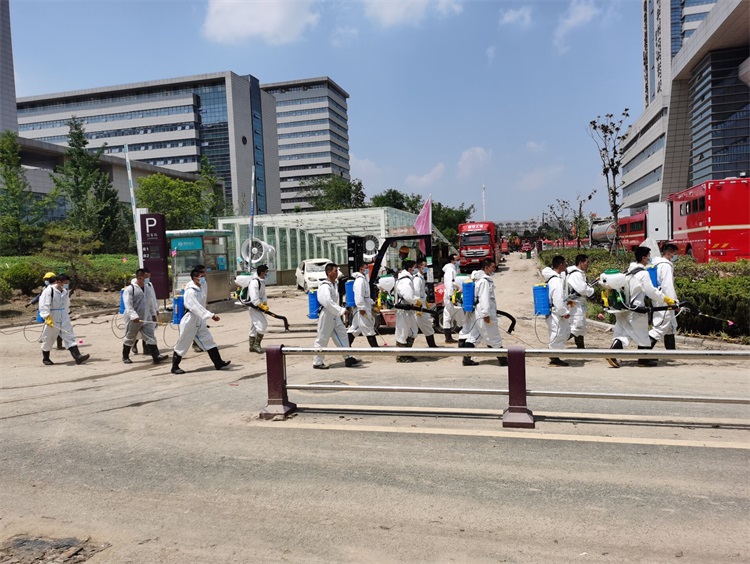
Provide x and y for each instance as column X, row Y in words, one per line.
column 719, row 290
column 94, row 273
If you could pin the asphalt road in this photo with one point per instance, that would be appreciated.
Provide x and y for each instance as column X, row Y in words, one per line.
column 180, row 469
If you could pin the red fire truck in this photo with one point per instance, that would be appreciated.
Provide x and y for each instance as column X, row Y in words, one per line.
column 477, row 241
column 710, row 221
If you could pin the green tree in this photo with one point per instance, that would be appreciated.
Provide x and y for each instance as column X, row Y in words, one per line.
column 183, row 204
column 211, row 185
column 72, row 246
column 92, row 201
column 607, row 134
column 334, row 193
column 22, row 214
column 392, row 198
column 447, row 219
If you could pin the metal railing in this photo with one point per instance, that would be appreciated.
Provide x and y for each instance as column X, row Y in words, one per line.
column 517, row 414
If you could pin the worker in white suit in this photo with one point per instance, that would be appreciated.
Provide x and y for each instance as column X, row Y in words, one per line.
column 558, row 320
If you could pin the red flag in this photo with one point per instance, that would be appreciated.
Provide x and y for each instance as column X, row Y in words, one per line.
column 423, row 225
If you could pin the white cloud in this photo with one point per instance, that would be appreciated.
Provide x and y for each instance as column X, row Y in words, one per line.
column 578, row 14
column 421, row 182
column 540, row 178
column 449, row 7
column 535, row 146
column 387, row 13
column 343, row 36
column 520, row 16
column 277, row 22
column 490, row 52
column 368, row 172
column 472, row 160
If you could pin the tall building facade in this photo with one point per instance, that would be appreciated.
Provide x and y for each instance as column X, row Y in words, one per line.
column 174, row 123
column 695, row 125
column 8, row 117
column 313, row 135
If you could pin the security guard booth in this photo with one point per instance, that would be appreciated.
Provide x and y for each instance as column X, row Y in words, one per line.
column 209, row 247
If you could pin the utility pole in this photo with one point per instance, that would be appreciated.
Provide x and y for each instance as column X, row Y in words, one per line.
column 484, row 210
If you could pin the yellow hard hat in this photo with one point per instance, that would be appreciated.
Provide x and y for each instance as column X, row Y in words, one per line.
column 49, row 275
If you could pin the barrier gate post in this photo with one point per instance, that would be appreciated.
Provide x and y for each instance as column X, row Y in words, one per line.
column 278, row 400
column 518, row 414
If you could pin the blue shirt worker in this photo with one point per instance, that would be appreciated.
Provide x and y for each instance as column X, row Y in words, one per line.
column 141, row 311
column 330, row 325
column 193, row 325
column 54, row 306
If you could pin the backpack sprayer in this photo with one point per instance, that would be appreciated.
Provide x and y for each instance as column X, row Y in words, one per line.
column 243, row 296
column 469, row 302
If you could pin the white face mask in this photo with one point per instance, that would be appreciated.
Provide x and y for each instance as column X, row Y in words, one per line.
column 203, row 282
column 673, row 258
column 46, row 282
column 66, row 286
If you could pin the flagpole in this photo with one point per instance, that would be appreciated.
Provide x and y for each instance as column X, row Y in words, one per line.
column 136, row 224
column 484, row 210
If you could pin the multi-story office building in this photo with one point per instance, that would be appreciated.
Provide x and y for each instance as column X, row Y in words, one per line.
column 518, row 227
column 173, row 123
column 695, row 125
column 313, row 126
column 7, row 79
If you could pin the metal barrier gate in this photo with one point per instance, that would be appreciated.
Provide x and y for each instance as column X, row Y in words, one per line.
column 517, row 414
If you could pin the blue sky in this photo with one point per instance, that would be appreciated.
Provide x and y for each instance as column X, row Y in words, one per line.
column 445, row 95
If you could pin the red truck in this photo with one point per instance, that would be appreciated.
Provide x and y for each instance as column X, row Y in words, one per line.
column 477, row 241
column 710, row 221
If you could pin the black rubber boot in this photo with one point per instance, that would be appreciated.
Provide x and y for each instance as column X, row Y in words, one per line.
column 45, row 358
column 468, row 361
column 351, row 338
column 449, row 335
column 431, row 341
column 60, row 345
column 613, row 362
column 670, row 343
column 373, row 342
column 350, row 361
column 155, row 356
column 501, row 360
column 250, row 344
column 646, row 361
column 215, row 357
column 654, row 341
column 176, row 364
column 126, row 354
column 135, row 347
column 555, row 361
column 579, row 341
column 80, row 358
column 404, row 358
column 410, row 344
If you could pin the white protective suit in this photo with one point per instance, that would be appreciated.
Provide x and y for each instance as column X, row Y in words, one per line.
column 330, row 325
column 193, row 323
column 56, row 303
column 664, row 322
column 424, row 320
column 487, row 307
column 364, row 320
column 140, row 303
column 451, row 312
column 470, row 329
column 406, row 320
column 630, row 325
column 577, row 291
column 256, row 292
column 557, row 324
